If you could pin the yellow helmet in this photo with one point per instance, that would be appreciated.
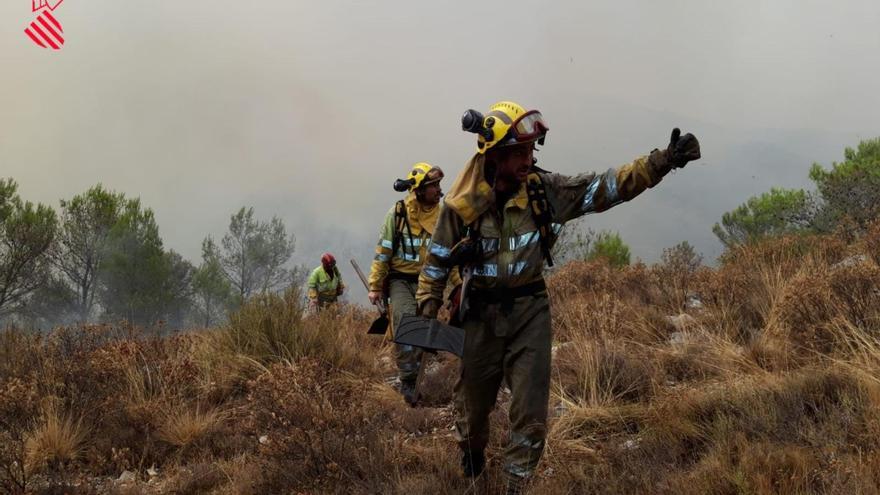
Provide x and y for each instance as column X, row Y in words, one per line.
column 504, row 124
column 422, row 174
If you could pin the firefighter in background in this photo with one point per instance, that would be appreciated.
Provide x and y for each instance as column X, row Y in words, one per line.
column 498, row 225
column 400, row 253
column 325, row 284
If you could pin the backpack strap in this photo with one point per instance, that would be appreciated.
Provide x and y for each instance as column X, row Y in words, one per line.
column 469, row 247
column 542, row 213
column 401, row 221
column 473, row 233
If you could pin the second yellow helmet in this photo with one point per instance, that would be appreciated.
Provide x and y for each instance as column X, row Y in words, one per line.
column 421, row 174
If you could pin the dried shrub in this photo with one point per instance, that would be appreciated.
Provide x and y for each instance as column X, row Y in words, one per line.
column 596, row 317
column 55, row 440
column 19, row 404
column 751, row 277
column 856, row 289
column 770, row 387
column 598, row 372
column 187, row 424
column 579, row 277
column 438, row 380
column 634, row 283
column 201, row 477
column 819, row 295
column 677, row 270
column 871, row 242
column 704, row 440
column 272, row 327
column 741, row 466
column 321, row 432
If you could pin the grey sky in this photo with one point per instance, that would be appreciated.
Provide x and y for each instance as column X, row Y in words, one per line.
column 309, row 110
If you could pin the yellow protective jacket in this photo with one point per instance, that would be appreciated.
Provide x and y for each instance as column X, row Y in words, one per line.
column 510, row 244
column 322, row 287
column 413, row 246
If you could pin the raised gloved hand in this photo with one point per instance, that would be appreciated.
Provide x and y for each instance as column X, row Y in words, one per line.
column 429, row 308
column 682, row 149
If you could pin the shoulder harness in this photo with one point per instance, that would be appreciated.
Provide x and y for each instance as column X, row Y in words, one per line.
column 542, row 213
column 401, row 221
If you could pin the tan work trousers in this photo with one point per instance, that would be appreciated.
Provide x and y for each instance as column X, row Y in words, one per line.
column 403, row 302
column 514, row 347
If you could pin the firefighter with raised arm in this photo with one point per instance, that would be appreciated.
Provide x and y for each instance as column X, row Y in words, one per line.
column 400, row 253
column 498, row 225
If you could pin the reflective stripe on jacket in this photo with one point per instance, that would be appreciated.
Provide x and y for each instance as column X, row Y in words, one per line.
column 510, row 244
column 411, row 251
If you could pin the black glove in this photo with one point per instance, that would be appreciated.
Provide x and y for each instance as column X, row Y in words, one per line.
column 682, row 149
column 464, row 252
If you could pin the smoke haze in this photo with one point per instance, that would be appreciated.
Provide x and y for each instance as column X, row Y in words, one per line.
column 310, row 110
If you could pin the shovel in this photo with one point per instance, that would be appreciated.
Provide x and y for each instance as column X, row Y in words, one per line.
column 380, row 324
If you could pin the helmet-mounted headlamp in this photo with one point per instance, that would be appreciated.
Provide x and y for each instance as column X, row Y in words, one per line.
column 422, row 174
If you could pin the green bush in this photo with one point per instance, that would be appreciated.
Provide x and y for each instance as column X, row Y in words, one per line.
column 610, row 246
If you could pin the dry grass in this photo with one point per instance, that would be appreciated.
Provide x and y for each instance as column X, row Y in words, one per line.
column 770, row 387
column 185, row 425
column 598, row 372
column 55, row 440
column 270, row 328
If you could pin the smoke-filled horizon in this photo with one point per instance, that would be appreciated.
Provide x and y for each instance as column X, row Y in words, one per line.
column 309, row 111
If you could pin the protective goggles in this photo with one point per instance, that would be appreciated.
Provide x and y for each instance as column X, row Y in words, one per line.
column 434, row 175
column 529, row 126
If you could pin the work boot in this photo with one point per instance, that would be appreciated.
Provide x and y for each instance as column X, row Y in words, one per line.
column 472, row 463
column 410, row 394
column 515, row 484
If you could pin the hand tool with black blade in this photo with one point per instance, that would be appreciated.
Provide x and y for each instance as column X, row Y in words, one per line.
column 429, row 334
column 380, row 325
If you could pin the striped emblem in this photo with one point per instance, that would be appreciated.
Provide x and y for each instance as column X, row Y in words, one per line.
column 46, row 31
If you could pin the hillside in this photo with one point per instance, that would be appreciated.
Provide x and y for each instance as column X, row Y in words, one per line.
column 758, row 376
